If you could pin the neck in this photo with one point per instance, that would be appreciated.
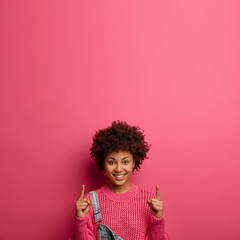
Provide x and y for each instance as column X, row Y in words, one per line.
column 119, row 189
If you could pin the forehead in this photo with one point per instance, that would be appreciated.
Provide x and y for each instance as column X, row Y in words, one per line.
column 119, row 155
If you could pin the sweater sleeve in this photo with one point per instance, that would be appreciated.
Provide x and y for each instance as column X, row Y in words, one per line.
column 157, row 229
column 83, row 229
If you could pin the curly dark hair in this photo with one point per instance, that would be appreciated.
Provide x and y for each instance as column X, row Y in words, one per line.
column 119, row 136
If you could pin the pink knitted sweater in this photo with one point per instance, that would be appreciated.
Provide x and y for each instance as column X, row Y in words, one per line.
column 128, row 215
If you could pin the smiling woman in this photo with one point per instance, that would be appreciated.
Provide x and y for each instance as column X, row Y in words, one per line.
column 120, row 209
column 119, row 166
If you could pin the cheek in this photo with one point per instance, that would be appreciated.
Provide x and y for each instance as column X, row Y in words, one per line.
column 108, row 169
column 129, row 168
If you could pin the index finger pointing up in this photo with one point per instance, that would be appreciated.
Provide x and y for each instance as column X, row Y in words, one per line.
column 157, row 193
column 82, row 192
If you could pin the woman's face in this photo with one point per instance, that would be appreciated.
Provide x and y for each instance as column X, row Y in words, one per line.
column 119, row 167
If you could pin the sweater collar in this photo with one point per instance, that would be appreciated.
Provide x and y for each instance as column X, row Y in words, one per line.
column 125, row 197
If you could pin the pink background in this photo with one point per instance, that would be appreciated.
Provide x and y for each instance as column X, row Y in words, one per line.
column 69, row 68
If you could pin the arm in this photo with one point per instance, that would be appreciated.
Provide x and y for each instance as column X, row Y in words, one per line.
column 157, row 221
column 156, row 229
column 84, row 229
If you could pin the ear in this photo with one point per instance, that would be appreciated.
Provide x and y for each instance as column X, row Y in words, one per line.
column 103, row 169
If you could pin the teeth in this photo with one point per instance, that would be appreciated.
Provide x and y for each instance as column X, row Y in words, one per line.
column 119, row 176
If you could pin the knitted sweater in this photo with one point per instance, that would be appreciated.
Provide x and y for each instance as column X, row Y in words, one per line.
column 128, row 215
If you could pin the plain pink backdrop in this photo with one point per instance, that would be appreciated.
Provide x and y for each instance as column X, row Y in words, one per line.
column 69, row 68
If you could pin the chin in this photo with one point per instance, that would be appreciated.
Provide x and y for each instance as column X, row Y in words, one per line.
column 119, row 183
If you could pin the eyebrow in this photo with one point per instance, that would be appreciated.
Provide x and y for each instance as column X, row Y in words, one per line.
column 122, row 158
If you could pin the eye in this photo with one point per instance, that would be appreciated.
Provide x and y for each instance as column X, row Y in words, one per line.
column 125, row 162
column 110, row 162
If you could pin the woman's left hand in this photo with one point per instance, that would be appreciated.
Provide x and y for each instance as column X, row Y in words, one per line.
column 156, row 205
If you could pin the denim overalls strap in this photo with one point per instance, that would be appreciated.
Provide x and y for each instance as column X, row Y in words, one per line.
column 103, row 231
column 96, row 208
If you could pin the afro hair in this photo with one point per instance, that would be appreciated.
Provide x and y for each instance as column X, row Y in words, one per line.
column 119, row 136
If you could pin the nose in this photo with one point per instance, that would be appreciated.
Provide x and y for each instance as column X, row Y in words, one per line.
column 118, row 168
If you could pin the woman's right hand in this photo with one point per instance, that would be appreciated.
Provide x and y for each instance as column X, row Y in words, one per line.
column 82, row 205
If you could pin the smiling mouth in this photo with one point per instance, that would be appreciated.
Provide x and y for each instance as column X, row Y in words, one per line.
column 119, row 177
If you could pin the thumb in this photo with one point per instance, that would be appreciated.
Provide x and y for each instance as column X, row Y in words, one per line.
column 87, row 208
column 149, row 202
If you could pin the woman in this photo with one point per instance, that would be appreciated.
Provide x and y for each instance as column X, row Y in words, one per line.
column 120, row 209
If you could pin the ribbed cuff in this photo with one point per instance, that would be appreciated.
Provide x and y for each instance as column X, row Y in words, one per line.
column 80, row 222
column 155, row 219
column 158, row 228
